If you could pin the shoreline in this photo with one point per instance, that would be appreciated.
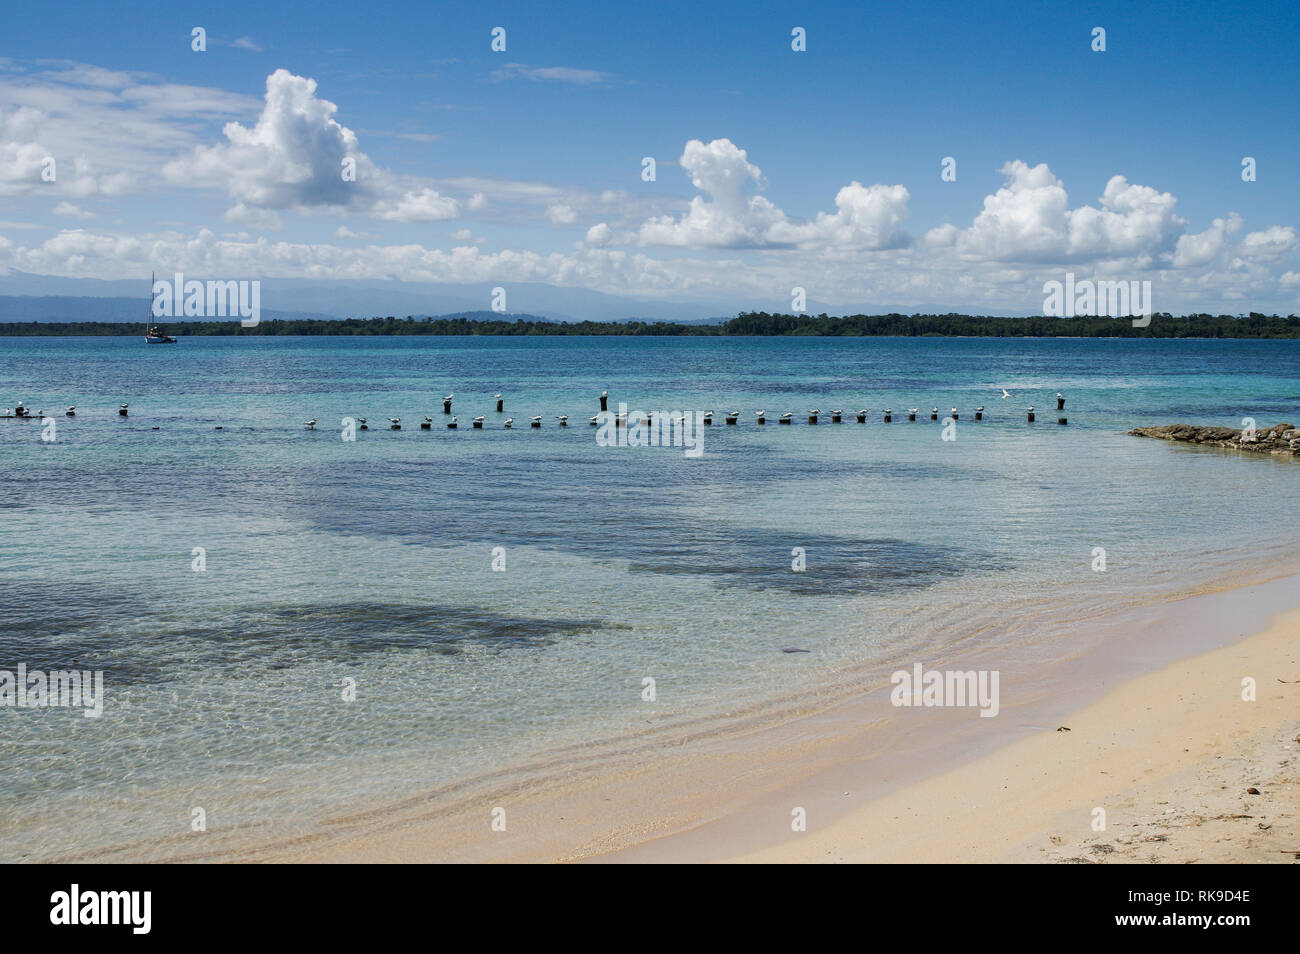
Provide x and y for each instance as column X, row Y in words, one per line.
column 1200, row 775
column 728, row 795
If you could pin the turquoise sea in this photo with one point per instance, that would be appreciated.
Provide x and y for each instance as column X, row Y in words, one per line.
column 326, row 560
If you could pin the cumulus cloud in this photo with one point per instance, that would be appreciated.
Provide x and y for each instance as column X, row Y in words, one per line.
column 1029, row 219
column 1274, row 241
column 295, row 157
column 869, row 217
column 291, row 158
column 1201, row 249
column 727, row 216
column 1026, row 218
column 423, row 205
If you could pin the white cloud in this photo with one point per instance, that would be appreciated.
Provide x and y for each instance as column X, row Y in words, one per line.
column 1029, row 219
column 1193, row 251
column 294, row 158
column 72, row 211
column 559, row 74
column 561, row 214
column 109, row 131
column 242, row 214
column 1026, row 218
column 866, row 217
column 113, row 131
column 1270, row 243
column 424, row 205
column 247, row 43
column 21, row 156
column 907, row 277
column 729, row 218
column 941, row 236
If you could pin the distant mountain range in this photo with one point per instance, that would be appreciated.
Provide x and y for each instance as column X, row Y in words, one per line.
column 26, row 297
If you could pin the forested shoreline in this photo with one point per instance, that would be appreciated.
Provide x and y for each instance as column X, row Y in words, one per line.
column 760, row 324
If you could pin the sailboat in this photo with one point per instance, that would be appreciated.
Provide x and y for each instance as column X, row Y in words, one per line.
column 155, row 334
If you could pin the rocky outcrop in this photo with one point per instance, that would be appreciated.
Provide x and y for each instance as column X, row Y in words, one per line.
column 1279, row 439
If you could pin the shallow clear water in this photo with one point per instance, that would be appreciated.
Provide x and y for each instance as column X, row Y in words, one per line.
column 372, row 560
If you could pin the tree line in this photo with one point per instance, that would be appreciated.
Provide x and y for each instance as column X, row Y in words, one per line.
column 760, row 323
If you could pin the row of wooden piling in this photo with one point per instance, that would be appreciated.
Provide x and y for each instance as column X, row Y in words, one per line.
column 620, row 420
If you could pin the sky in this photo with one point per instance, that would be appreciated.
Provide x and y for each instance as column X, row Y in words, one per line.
column 774, row 168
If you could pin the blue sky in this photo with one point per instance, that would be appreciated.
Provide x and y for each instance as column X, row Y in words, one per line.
column 525, row 165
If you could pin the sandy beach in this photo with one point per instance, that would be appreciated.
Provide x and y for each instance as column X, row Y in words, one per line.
column 1169, row 753
column 1185, row 770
